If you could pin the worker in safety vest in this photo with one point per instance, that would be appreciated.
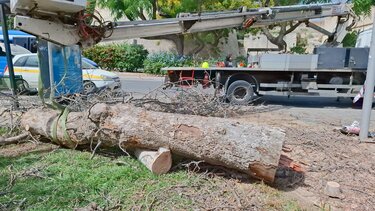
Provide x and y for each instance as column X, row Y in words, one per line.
column 205, row 65
column 206, row 79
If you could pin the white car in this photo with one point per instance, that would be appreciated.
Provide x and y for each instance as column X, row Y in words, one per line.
column 27, row 65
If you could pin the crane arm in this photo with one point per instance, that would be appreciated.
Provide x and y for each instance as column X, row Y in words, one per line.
column 193, row 23
column 72, row 28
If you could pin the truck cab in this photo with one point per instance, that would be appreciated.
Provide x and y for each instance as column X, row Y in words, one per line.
column 364, row 39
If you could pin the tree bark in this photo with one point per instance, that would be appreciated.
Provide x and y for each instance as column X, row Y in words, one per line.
column 154, row 8
column 247, row 147
column 177, row 39
column 279, row 39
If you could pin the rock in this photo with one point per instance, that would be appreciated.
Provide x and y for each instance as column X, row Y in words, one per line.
column 333, row 189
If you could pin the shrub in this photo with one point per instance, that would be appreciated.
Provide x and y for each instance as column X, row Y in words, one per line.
column 120, row 57
column 350, row 39
column 155, row 62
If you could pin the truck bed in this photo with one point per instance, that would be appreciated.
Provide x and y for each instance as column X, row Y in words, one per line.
column 246, row 69
column 317, row 82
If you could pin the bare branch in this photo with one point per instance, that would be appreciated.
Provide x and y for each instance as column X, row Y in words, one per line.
column 292, row 27
column 268, row 33
column 13, row 140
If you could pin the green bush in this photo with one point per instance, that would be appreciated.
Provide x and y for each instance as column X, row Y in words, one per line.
column 350, row 39
column 156, row 61
column 119, row 57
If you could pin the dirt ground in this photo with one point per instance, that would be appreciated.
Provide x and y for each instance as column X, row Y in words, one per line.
column 326, row 155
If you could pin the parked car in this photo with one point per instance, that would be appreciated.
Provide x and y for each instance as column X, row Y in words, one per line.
column 27, row 65
column 15, row 49
column 90, row 62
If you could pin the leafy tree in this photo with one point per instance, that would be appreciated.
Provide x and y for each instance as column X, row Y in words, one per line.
column 132, row 9
column 153, row 9
column 360, row 7
column 363, row 7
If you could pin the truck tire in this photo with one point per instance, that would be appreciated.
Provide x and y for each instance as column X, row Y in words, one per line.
column 240, row 92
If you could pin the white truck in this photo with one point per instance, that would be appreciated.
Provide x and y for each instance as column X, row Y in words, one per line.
column 329, row 72
column 65, row 23
column 364, row 39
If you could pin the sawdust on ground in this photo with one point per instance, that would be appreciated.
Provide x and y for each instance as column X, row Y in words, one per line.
column 326, row 155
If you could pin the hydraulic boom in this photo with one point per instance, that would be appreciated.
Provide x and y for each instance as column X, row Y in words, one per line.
column 70, row 26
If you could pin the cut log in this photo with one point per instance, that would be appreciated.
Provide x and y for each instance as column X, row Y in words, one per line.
column 158, row 162
column 248, row 147
column 333, row 189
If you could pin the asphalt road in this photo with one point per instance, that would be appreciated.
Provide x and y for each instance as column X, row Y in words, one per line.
column 140, row 85
column 310, row 109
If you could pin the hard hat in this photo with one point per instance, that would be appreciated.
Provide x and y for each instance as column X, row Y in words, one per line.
column 205, row 65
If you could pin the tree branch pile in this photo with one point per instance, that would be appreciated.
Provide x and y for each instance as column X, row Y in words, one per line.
column 250, row 148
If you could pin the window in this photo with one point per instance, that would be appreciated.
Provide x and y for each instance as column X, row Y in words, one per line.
column 32, row 61
column 359, row 43
column 86, row 65
column 20, row 62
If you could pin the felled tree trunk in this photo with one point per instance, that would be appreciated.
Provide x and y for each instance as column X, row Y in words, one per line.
column 247, row 147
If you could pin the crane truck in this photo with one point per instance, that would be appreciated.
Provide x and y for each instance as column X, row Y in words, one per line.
column 330, row 71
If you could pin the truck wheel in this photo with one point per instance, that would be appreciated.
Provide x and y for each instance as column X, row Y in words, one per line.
column 240, row 92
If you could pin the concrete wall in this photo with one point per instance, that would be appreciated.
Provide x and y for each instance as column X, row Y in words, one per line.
column 153, row 46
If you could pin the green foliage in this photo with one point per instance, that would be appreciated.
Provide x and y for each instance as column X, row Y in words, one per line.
column 10, row 22
column 363, row 7
column 156, row 61
column 350, row 39
column 120, row 57
column 91, row 4
column 301, row 45
column 298, row 49
column 132, row 9
column 171, row 8
column 241, row 59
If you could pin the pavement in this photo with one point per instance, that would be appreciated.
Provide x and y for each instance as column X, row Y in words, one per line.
column 139, row 84
column 309, row 109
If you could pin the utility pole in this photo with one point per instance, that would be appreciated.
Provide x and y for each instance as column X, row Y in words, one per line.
column 12, row 77
column 199, row 7
column 369, row 90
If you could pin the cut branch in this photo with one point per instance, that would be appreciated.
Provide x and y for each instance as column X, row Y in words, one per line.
column 158, row 162
column 13, row 140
